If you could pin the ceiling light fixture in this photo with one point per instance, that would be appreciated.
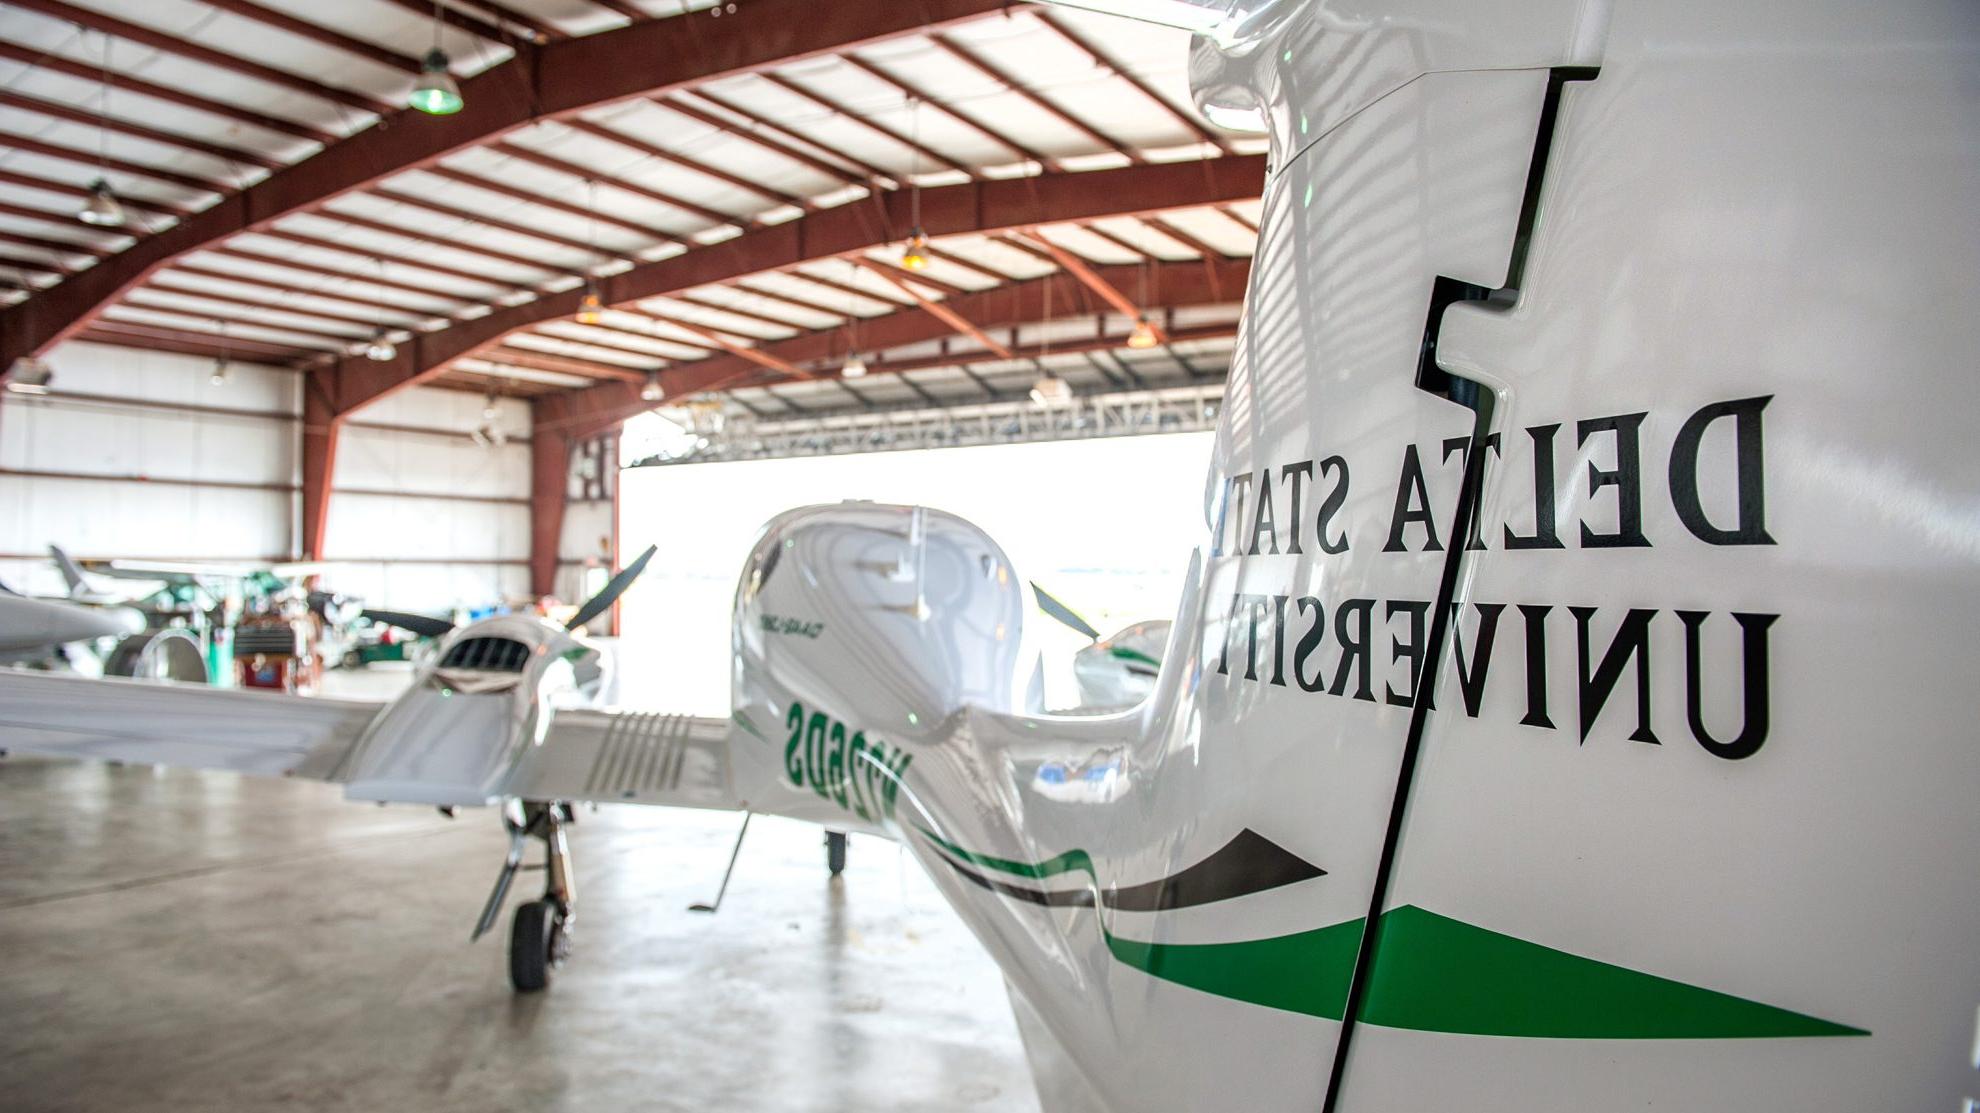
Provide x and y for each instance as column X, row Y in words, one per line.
column 1143, row 336
column 488, row 434
column 853, row 368
column 381, row 347
column 102, row 210
column 915, row 258
column 437, row 93
column 30, row 376
column 591, row 307
column 219, row 375
column 651, row 390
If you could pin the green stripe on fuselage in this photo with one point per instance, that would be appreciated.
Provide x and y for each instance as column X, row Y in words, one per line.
column 1436, row 974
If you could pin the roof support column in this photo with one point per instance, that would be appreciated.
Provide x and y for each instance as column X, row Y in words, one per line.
column 321, row 427
column 549, row 493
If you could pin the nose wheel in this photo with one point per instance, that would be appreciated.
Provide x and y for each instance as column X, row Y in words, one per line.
column 540, row 933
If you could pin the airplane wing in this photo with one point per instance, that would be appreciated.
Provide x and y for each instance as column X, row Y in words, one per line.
column 187, row 725
column 629, row 757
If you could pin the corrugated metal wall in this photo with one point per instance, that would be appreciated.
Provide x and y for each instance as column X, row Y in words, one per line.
column 427, row 517
column 138, row 454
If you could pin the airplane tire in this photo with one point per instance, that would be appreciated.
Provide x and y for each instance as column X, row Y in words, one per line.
column 835, row 852
column 532, row 939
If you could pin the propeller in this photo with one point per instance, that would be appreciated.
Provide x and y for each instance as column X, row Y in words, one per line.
column 1051, row 606
column 426, row 626
column 602, row 602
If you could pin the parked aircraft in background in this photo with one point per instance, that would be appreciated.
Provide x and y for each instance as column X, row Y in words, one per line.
column 34, row 629
column 1112, row 673
column 1566, row 708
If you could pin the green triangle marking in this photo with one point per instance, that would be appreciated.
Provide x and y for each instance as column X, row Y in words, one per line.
column 1436, row 974
column 1307, row 972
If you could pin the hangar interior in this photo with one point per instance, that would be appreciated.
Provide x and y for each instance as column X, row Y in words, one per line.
column 360, row 298
column 1088, row 556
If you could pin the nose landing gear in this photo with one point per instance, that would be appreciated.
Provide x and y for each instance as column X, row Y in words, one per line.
column 540, row 935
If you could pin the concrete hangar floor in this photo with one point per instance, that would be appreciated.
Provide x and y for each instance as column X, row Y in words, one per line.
column 180, row 940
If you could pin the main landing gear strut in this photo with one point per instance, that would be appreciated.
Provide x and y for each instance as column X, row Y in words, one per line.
column 540, row 937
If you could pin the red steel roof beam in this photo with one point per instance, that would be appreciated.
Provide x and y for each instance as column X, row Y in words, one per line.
column 989, row 206
column 185, row 143
column 764, row 134
column 1105, row 290
column 1100, row 58
column 996, row 73
column 915, row 94
column 87, row 72
column 873, row 126
column 317, row 33
column 96, row 159
column 159, row 40
column 652, row 58
column 949, row 316
column 1172, row 284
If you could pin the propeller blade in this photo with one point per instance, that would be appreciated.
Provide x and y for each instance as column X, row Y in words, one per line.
column 1058, row 610
column 426, row 626
column 602, row 602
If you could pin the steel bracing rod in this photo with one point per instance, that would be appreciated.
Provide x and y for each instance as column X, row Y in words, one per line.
column 727, row 871
column 512, row 820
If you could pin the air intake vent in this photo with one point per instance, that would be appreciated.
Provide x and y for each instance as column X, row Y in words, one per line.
column 487, row 655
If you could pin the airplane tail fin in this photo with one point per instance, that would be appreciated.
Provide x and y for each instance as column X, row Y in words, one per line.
column 71, row 573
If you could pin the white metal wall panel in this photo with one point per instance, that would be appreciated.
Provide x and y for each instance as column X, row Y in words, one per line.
column 110, row 433
column 430, row 519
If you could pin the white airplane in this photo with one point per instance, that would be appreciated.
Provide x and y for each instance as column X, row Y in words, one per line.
column 1567, row 708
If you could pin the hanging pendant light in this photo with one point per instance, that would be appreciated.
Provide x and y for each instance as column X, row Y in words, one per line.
column 381, row 347
column 488, row 434
column 102, row 210
column 219, row 375
column 591, row 307
column 915, row 258
column 437, row 93
column 1143, row 335
column 30, row 376
column 853, row 368
column 651, row 391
